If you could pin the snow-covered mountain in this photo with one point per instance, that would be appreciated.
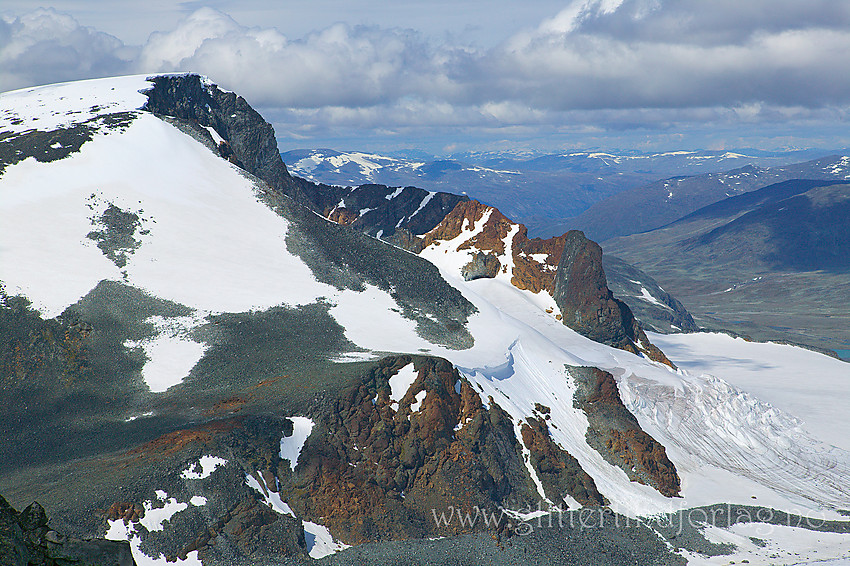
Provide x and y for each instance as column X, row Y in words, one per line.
column 529, row 186
column 220, row 363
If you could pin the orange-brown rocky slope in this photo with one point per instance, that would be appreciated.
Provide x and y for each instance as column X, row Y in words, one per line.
column 615, row 433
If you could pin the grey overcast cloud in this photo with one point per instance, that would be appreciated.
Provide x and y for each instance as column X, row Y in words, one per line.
column 473, row 75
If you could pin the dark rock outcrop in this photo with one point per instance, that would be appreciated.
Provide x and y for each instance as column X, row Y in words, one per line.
column 615, row 433
column 482, row 266
column 233, row 525
column 558, row 471
column 250, row 139
column 252, row 529
column 26, row 539
column 587, row 304
column 582, row 294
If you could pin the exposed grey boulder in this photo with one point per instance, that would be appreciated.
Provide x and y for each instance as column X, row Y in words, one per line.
column 482, row 265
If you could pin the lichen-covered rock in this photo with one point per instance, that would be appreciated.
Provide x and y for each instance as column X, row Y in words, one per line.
column 27, row 540
column 587, row 304
column 615, row 433
column 482, row 266
column 558, row 471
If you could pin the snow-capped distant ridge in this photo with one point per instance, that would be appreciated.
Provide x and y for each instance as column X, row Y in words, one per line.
column 353, row 168
column 538, row 188
column 356, row 167
column 360, row 167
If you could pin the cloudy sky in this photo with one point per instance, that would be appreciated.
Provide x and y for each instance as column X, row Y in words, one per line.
column 446, row 75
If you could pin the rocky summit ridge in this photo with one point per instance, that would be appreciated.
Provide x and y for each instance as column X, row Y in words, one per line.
column 415, row 219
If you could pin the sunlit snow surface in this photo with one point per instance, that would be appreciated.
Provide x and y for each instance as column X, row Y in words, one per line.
column 727, row 444
column 206, row 226
column 290, row 446
column 401, row 382
column 211, row 245
column 806, row 384
column 778, row 545
column 47, row 108
column 171, row 353
column 208, row 465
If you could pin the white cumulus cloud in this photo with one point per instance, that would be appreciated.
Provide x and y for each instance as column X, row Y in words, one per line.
column 45, row 46
column 611, row 64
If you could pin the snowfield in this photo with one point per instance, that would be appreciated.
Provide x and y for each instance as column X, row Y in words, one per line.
column 812, row 387
column 743, row 422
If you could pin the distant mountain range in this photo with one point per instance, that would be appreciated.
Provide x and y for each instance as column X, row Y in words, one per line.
column 538, row 189
column 772, row 263
column 654, row 205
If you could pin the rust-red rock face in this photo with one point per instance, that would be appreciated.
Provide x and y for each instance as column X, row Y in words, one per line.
column 380, row 467
column 587, row 304
column 558, row 471
column 568, row 267
column 536, row 261
column 615, row 433
column 582, row 294
column 126, row 511
column 463, row 217
column 342, row 215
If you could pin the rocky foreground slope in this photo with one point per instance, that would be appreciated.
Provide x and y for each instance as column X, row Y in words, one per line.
column 204, row 357
column 26, row 539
